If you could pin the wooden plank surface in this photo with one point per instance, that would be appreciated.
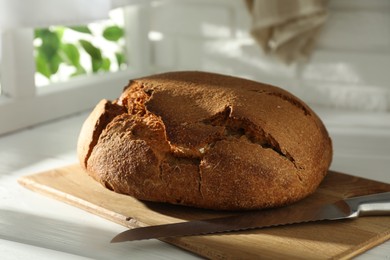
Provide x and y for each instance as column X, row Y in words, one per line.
column 320, row 240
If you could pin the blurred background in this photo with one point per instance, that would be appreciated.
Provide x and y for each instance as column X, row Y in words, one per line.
column 59, row 58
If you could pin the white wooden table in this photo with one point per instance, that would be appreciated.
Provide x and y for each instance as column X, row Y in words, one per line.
column 34, row 226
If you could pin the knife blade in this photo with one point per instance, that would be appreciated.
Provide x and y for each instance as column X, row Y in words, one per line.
column 375, row 204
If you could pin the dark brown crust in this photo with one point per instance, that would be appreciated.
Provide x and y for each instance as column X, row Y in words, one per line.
column 206, row 140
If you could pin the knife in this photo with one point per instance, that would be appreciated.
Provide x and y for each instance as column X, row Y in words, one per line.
column 369, row 205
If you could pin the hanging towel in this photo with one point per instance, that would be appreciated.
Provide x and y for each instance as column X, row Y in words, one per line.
column 287, row 29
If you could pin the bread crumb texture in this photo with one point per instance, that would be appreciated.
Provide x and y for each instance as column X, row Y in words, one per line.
column 206, row 140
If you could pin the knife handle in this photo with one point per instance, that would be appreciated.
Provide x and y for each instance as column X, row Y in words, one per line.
column 371, row 205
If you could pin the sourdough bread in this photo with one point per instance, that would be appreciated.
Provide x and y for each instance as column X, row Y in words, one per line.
column 206, row 140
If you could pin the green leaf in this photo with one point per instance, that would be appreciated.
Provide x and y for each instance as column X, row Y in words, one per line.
column 38, row 33
column 59, row 30
column 50, row 43
column 96, row 65
column 120, row 58
column 42, row 65
column 79, row 71
column 81, row 29
column 70, row 54
column 113, row 33
column 54, row 63
column 106, row 64
column 94, row 52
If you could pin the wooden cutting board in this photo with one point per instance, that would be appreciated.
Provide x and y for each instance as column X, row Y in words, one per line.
column 337, row 239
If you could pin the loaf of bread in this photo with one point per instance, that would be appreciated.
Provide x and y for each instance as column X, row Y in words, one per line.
column 206, row 140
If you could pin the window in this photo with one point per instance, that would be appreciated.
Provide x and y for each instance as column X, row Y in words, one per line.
column 28, row 96
column 64, row 52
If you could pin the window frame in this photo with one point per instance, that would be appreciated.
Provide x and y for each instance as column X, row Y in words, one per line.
column 22, row 104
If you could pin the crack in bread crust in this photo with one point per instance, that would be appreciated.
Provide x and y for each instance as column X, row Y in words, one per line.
column 239, row 127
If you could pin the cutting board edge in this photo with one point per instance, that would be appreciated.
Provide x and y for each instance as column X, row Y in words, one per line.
column 61, row 196
column 362, row 248
column 29, row 183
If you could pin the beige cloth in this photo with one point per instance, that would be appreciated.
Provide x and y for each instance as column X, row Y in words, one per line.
column 287, row 28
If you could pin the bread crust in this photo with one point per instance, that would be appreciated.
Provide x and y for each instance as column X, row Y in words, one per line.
column 206, row 140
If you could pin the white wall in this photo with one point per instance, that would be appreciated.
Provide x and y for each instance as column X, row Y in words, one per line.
column 350, row 67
